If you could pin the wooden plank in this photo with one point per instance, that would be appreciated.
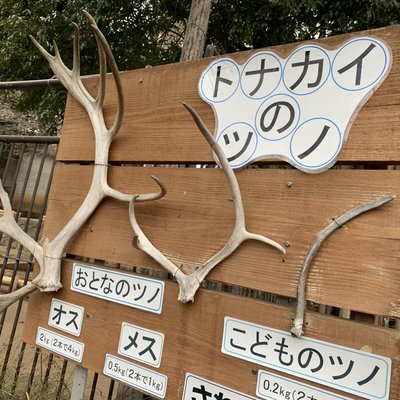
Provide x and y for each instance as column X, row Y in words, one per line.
column 157, row 128
column 196, row 216
column 193, row 334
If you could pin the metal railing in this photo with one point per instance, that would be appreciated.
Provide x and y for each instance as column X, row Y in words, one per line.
column 26, row 170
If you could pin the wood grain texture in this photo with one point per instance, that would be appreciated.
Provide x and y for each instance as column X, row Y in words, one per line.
column 193, row 334
column 356, row 268
column 157, row 128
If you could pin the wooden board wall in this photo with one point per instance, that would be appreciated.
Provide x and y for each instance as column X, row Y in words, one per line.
column 374, row 137
column 196, row 218
column 357, row 268
column 193, row 334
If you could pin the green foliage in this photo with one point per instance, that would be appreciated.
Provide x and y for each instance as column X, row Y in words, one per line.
column 143, row 33
column 237, row 25
column 139, row 32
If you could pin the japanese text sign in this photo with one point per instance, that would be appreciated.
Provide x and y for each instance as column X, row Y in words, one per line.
column 275, row 387
column 299, row 109
column 66, row 316
column 60, row 344
column 346, row 369
column 134, row 291
column 134, row 375
column 141, row 344
column 197, row 388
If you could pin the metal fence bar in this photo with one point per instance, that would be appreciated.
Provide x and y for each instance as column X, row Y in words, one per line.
column 94, row 384
column 111, row 390
column 48, row 369
column 39, row 83
column 28, row 139
column 20, row 249
column 33, row 369
column 62, row 379
column 24, row 159
column 26, row 174
column 30, row 261
column 52, row 83
column 18, row 369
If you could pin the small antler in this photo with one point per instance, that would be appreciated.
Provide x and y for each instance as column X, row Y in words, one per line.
column 48, row 255
column 298, row 321
column 188, row 284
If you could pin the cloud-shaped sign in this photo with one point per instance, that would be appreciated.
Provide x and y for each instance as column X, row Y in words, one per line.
column 299, row 109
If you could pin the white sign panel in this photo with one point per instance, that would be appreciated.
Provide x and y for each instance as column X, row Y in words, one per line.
column 130, row 290
column 139, row 377
column 352, row 371
column 299, row 109
column 66, row 316
column 60, row 344
column 274, row 387
column 197, row 388
column 141, row 344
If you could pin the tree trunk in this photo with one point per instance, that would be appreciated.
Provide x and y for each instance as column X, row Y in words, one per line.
column 196, row 30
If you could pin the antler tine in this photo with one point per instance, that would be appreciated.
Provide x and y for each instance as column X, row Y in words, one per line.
column 7, row 299
column 5, row 200
column 42, row 50
column 117, row 79
column 138, row 198
column 237, row 198
column 78, row 90
column 240, row 229
column 153, row 196
column 102, row 63
column 9, row 226
column 141, row 242
column 67, row 77
column 76, row 67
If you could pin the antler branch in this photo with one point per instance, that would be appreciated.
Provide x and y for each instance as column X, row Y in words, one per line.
column 49, row 254
column 188, row 284
column 298, row 321
column 9, row 226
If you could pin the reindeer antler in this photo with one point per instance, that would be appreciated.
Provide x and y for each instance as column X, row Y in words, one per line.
column 188, row 284
column 48, row 255
column 298, row 320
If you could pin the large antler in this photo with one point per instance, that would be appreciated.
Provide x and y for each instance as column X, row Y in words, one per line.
column 48, row 254
column 188, row 284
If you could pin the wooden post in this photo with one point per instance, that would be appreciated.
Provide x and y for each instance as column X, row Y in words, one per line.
column 78, row 385
column 196, row 30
